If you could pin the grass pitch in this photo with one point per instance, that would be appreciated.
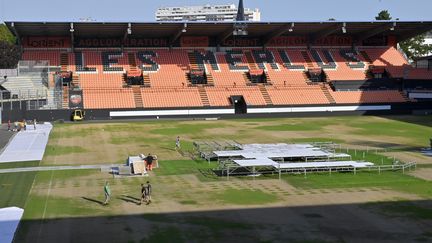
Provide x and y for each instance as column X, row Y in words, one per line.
column 192, row 205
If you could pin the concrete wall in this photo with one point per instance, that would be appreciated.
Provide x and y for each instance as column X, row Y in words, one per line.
column 19, row 113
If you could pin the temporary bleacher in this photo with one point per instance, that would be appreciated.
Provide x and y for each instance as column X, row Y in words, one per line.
column 253, row 158
column 26, row 87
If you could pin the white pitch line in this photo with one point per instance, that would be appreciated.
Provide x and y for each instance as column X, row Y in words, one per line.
column 48, row 194
column 46, row 206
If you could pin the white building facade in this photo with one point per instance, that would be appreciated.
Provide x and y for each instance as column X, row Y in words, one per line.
column 226, row 12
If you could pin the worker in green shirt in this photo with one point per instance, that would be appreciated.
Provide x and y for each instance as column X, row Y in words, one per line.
column 107, row 192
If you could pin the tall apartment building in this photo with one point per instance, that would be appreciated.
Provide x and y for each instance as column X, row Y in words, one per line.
column 226, row 12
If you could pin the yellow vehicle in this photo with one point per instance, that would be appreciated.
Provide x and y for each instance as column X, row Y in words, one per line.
column 78, row 115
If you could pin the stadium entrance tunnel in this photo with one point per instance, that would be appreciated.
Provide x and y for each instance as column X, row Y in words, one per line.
column 240, row 106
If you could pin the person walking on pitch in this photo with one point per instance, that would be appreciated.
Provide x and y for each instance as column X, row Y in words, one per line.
column 149, row 192
column 107, row 192
column 143, row 193
column 177, row 146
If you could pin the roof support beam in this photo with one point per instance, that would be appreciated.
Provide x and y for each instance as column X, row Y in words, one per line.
column 178, row 34
column 370, row 33
column 278, row 32
column 72, row 36
column 326, row 32
column 126, row 34
column 15, row 32
column 415, row 33
column 225, row 35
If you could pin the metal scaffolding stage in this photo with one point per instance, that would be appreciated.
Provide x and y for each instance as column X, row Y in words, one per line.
column 255, row 159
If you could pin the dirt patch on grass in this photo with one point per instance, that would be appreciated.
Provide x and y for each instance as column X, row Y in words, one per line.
column 423, row 173
column 185, row 203
column 112, row 143
column 410, row 157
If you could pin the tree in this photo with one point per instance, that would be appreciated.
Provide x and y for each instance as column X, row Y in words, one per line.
column 383, row 15
column 416, row 47
column 6, row 35
column 9, row 55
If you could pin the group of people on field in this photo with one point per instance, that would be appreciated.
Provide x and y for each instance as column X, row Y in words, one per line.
column 20, row 126
column 146, row 191
column 148, row 160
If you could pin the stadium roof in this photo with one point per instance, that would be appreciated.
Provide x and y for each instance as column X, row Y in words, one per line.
column 402, row 30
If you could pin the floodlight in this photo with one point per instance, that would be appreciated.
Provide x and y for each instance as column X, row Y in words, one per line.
column 393, row 26
column 291, row 29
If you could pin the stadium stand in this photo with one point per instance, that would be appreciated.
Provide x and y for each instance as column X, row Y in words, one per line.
column 108, row 98
column 390, row 58
column 349, row 66
column 178, row 97
column 360, row 97
column 186, row 70
column 311, row 95
column 53, row 57
column 219, row 96
column 101, row 76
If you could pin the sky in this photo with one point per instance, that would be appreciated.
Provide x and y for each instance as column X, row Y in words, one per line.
column 271, row 10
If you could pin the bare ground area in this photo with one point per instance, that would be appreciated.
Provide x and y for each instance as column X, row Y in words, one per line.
column 186, row 209
column 112, row 143
column 423, row 173
column 182, row 203
column 410, row 157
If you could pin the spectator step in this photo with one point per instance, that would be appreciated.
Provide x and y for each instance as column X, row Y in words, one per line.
column 246, row 78
column 76, row 80
column 326, row 77
column 64, row 62
column 251, row 62
column 265, row 95
column 306, row 77
column 210, row 79
column 188, row 78
column 124, row 80
column 146, row 80
column 268, row 78
column 132, row 61
column 203, row 95
column 65, row 103
column 137, row 96
column 307, row 58
column 406, row 98
column 366, row 57
column 327, row 94
column 368, row 74
column 193, row 61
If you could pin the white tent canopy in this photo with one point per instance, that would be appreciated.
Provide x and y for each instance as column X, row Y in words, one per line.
column 9, row 220
column 27, row 145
